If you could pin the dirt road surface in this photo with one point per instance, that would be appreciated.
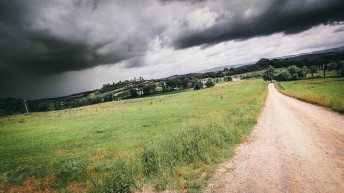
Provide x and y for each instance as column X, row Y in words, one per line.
column 295, row 147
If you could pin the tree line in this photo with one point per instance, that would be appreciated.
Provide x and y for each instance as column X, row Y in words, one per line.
column 277, row 69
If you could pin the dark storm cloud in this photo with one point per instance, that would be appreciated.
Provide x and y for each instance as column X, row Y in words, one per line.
column 49, row 37
column 339, row 30
column 44, row 41
column 287, row 16
column 188, row 1
column 43, row 50
column 44, row 54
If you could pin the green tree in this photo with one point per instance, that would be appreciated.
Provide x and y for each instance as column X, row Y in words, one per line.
column 296, row 72
column 263, row 62
column 339, row 66
column 133, row 93
column 312, row 70
column 12, row 105
column 46, row 106
column 269, row 73
column 282, row 75
column 209, row 83
column 198, row 85
column 149, row 88
column 171, row 83
column 291, row 73
column 227, row 78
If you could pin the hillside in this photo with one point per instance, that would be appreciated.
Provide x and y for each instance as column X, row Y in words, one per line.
column 107, row 146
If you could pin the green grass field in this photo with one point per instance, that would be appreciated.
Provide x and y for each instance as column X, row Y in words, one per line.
column 171, row 141
column 324, row 91
column 321, row 73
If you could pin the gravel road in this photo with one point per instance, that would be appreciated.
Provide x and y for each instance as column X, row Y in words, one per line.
column 295, row 147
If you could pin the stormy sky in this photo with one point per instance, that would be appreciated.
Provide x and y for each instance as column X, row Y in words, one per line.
column 59, row 47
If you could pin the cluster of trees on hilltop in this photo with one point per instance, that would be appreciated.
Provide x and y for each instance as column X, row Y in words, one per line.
column 120, row 84
column 300, row 62
column 60, row 104
column 129, row 89
column 284, row 74
column 242, row 69
column 264, row 63
column 296, row 73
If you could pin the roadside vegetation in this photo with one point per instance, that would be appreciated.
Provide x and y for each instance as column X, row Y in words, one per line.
column 165, row 142
column 327, row 92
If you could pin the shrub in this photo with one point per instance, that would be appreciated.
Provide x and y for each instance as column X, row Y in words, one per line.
column 228, row 78
column 209, row 83
column 133, row 93
column 290, row 73
column 282, row 75
column 251, row 75
column 293, row 69
column 46, row 107
column 198, row 85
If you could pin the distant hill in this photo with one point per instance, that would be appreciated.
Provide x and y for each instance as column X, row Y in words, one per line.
column 301, row 56
column 314, row 54
column 220, row 68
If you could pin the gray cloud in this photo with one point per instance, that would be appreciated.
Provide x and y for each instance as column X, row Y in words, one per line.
column 43, row 42
column 49, row 37
column 269, row 17
column 185, row 1
column 339, row 30
column 57, row 36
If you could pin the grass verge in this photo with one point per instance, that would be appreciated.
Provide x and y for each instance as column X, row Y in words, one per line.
column 327, row 92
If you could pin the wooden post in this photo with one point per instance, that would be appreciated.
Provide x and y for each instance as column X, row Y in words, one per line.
column 324, row 69
column 26, row 106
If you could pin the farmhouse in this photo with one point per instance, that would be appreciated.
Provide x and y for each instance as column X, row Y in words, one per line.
column 204, row 80
column 236, row 79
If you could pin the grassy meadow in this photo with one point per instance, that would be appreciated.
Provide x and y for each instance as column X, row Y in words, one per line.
column 327, row 92
column 171, row 141
column 320, row 73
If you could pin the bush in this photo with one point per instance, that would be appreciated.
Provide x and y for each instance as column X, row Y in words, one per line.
column 45, row 106
column 149, row 89
column 133, row 93
column 227, row 78
column 282, row 75
column 209, row 83
column 198, row 85
column 290, row 73
column 11, row 106
column 251, row 75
